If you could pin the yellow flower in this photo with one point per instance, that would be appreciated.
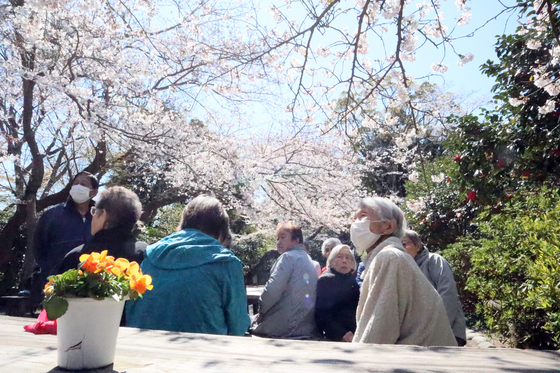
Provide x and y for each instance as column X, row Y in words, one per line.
column 49, row 288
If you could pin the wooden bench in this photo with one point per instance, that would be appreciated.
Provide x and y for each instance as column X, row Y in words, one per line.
column 17, row 305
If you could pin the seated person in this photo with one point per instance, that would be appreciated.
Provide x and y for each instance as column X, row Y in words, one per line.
column 438, row 271
column 397, row 303
column 337, row 296
column 287, row 304
column 114, row 219
column 326, row 248
column 359, row 271
column 198, row 283
column 315, row 263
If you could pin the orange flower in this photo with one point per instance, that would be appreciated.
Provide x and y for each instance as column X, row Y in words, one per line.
column 119, row 266
column 140, row 282
column 97, row 262
column 133, row 268
column 106, row 264
column 89, row 265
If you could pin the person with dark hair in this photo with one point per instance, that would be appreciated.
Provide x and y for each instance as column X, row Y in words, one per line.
column 337, row 296
column 114, row 219
column 326, row 248
column 438, row 271
column 198, row 283
column 287, row 304
column 65, row 226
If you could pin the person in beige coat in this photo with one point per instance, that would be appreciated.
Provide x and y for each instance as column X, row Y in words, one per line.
column 397, row 305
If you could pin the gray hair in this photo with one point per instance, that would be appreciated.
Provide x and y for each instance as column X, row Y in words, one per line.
column 329, row 243
column 206, row 214
column 334, row 253
column 122, row 206
column 414, row 237
column 386, row 211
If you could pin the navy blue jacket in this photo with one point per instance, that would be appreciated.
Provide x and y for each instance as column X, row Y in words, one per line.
column 60, row 229
column 337, row 301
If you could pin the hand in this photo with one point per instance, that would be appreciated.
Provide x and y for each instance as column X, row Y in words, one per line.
column 259, row 318
column 348, row 337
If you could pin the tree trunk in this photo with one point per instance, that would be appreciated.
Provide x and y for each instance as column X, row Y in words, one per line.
column 29, row 262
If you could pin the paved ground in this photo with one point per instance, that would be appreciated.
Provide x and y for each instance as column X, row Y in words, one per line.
column 479, row 340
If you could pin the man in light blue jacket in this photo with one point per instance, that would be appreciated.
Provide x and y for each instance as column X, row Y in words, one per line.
column 287, row 304
column 198, row 284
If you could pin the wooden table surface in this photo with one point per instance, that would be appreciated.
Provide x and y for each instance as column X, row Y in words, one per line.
column 143, row 351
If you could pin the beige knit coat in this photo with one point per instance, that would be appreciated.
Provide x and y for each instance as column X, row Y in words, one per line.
column 398, row 305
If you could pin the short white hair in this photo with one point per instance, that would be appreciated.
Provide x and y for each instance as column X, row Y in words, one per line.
column 335, row 252
column 329, row 242
column 386, row 211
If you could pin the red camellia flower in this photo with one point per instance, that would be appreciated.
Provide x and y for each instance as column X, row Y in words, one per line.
column 471, row 196
column 458, row 158
column 448, row 179
column 556, row 152
column 500, row 163
column 459, row 215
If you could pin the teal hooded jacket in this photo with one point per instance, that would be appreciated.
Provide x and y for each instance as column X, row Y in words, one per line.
column 198, row 287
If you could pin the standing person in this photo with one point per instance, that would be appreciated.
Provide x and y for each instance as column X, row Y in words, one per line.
column 337, row 296
column 287, row 304
column 114, row 219
column 198, row 283
column 65, row 226
column 326, row 248
column 397, row 305
column 438, row 271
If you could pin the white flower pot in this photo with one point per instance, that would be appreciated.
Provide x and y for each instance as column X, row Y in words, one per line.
column 87, row 333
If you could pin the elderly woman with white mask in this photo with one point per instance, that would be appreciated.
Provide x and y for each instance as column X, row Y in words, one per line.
column 397, row 303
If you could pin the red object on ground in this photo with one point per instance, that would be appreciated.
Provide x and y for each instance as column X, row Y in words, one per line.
column 42, row 326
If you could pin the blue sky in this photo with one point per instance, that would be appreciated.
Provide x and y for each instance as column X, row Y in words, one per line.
column 465, row 80
column 469, row 78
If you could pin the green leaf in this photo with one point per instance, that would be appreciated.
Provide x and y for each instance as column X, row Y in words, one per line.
column 55, row 306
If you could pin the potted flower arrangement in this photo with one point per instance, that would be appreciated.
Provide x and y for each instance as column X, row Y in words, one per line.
column 89, row 301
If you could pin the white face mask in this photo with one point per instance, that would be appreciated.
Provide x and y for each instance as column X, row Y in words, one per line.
column 361, row 236
column 80, row 193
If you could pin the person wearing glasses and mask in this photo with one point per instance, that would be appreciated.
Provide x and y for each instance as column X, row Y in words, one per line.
column 397, row 304
column 65, row 226
column 114, row 220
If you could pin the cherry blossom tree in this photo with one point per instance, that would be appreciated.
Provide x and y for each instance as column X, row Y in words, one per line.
column 361, row 50
column 86, row 84
column 89, row 85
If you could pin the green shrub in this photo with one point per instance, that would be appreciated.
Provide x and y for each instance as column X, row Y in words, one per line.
column 516, row 270
column 459, row 257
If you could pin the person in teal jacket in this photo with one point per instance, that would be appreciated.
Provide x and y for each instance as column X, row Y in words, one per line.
column 198, row 283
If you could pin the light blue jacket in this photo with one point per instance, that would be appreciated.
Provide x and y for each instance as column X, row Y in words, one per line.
column 287, row 304
column 198, row 287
